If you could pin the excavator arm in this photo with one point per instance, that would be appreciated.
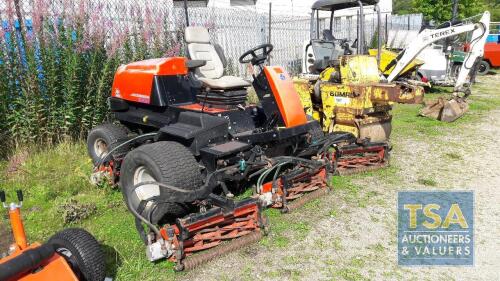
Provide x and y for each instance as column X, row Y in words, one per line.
column 479, row 30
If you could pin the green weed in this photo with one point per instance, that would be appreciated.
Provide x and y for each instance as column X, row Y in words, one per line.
column 427, row 182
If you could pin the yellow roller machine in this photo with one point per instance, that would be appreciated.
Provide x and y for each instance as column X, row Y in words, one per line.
column 341, row 85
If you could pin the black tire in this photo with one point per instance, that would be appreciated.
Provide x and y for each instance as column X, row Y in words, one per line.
column 82, row 251
column 483, row 68
column 107, row 135
column 166, row 162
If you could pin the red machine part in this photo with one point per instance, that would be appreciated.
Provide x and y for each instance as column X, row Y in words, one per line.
column 106, row 172
column 303, row 187
column 54, row 266
column 134, row 81
column 492, row 54
column 199, row 107
column 360, row 159
column 242, row 226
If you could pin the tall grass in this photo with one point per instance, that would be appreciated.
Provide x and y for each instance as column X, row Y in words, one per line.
column 57, row 65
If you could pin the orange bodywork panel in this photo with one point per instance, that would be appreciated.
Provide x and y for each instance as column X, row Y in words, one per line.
column 55, row 268
column 286, row 96
column 134, row 81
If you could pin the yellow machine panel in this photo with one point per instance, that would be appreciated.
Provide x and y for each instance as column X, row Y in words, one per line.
column 348, row 97
column 303, row 87
column 386, row 56
column 359, row 69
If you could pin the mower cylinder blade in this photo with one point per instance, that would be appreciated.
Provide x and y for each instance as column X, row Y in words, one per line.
column 299, row 202
column 346, row 172
column 203, row 257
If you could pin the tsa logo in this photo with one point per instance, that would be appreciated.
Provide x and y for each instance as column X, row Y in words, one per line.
column 435, row 228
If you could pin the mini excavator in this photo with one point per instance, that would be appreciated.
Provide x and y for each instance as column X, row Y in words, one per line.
column 342, row 87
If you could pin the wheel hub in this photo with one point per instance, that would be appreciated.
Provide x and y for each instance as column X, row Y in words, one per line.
column 146, row 191
column 100, row 147
column 71, row 259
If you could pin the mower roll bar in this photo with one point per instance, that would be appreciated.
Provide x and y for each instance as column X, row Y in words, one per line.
column 333, row 5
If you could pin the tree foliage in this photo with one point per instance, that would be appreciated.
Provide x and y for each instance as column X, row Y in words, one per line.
column 441, row 10
column 402, row 7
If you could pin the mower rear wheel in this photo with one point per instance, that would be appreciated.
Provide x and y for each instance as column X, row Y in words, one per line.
column 102, row 137
column 82, row 252
column 165, row 162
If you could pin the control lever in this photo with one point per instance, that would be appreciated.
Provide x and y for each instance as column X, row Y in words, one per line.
column 16, row 221
column 20, row 197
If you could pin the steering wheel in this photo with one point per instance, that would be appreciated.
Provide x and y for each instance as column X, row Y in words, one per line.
column 251, row 55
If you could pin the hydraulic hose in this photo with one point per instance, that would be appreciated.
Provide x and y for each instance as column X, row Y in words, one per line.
column 263, row 176
column 189, row 196
column 121, row 145
column 202, row 192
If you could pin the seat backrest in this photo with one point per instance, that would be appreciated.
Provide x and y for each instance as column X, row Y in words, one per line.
column 200, row 48
column 327, row 35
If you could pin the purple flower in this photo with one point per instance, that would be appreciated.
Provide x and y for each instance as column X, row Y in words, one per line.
column 10, row 12
column 173, row 51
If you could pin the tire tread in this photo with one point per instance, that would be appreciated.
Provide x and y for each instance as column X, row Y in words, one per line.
column 111, row 132
column 89, row 254
column 177, row 166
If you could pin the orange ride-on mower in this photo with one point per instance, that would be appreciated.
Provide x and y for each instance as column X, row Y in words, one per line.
column 187, row 141
column 71, row 254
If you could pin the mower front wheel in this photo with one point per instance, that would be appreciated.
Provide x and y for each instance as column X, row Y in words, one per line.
column 82, row 252
column 102, row 137
column 165, row 162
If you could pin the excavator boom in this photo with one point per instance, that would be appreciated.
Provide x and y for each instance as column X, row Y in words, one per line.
column 429, row 36
column 454, row 108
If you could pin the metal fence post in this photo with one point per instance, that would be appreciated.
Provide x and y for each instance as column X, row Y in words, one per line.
column 386, row 29
column 269, row 31
column 186, row 12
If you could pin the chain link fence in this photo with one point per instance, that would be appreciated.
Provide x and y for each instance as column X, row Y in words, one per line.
column 58, row 57
column 235, row 29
